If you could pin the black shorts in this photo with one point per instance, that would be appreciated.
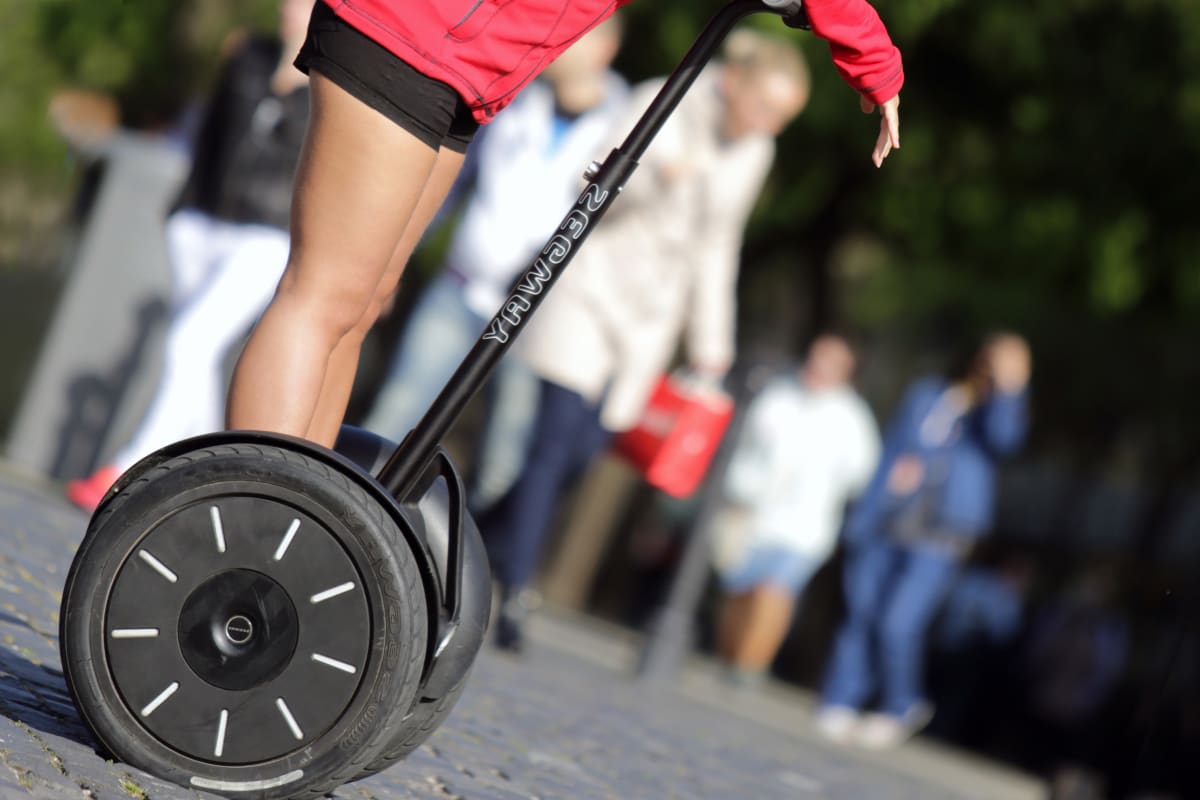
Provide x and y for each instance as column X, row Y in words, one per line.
column 426, row 108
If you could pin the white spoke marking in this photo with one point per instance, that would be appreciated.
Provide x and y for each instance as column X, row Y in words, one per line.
column 220, row 748
column 246, row 786
column 218, row 531
column 158, row 566
column 287, row 716
column 162, row 698
column 287, row 539
column 320, row 597
column 134, row 633
column 333, row 662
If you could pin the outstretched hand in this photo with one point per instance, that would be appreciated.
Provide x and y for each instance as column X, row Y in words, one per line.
column 889, row 127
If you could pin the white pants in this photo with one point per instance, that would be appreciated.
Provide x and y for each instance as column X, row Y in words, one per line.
column 223, row 276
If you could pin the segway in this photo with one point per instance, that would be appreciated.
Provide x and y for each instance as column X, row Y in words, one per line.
column 257, row 616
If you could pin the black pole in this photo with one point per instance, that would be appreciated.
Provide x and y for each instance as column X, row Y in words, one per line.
column 400, row 475
column 670, row 634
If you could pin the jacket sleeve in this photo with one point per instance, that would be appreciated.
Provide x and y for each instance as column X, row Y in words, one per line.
column 1005, row 422
column 215, row 133
column 860, row 45
column 868, row 511
column 711, row 322
column 862, row 451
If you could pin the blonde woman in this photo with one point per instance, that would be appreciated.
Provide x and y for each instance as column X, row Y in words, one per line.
column 662, row 267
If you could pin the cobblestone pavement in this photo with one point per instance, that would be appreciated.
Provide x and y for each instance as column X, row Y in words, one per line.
column 567, row 720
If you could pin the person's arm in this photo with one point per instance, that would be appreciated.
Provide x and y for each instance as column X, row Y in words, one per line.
column 898, row 435
column 862, row 50
column 869, row 508
column 215, row 135
column 862, row 452
column 1004, row 422
column 866, row 58
column 717, row 254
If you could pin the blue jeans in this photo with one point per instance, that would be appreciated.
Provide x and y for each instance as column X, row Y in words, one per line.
column 439, row 333
column 892, row 594
column 567, row 436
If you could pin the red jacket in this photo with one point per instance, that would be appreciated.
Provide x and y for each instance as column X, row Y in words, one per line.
column 488, row 49
column 862, row 50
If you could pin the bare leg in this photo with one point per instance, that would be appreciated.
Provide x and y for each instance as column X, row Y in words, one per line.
column 343, row 363
column 768, row 614
column 730, row 623
column 360, row 179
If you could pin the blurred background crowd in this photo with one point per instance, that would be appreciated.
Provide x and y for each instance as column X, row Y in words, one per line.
column 960, row 491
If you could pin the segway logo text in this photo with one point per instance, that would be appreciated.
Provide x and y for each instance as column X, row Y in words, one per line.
column 535, row 279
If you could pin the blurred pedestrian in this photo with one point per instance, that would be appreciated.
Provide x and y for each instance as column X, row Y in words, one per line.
column 227, row 238
column 808, row 445
column 932, row 496
column 664, row 261
column 522, row 175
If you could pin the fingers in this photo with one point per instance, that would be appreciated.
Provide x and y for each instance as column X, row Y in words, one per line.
column 889, row 131
column 891, row 115
column 866, row 105
column 883, row 145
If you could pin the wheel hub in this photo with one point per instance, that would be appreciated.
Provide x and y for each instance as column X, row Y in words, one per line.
column 238, row 630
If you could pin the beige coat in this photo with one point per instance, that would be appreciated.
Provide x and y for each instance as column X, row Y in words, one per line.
column 665, row 258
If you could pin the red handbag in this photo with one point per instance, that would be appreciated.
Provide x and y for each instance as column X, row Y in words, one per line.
column 679, row 431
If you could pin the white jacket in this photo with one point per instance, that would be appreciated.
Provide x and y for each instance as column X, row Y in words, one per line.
column 800, row 457
column 664, row 258
column 530, row 170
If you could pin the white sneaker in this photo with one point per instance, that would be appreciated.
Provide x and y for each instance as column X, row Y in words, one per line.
column 884, row 731
column 838, row 724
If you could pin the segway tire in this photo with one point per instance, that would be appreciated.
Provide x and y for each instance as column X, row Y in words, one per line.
column 181, row 571
column 426, row 716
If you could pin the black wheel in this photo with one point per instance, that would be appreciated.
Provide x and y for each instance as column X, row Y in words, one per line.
column 425, row 717
column 442, row 690
column 246, row 620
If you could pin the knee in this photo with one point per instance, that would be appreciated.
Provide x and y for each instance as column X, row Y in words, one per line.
column 856, row 625
column 336, row 310
column 862, row 608
column 358, row 331
column 381, row 302
column 899, row 631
